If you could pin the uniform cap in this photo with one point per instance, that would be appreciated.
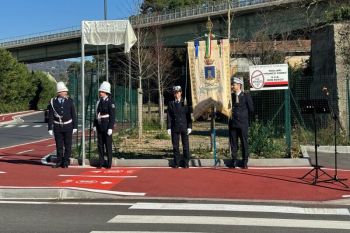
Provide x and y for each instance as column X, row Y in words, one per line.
column 61, row 87
column 177, row 88
column 236, row 80
column 105, row 87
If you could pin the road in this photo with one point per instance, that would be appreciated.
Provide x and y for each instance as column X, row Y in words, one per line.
column 31, row 129
column 180, row 216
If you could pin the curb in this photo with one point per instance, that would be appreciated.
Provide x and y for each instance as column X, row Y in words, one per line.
column 60, row 193
column 299, row 162
column 325, row 149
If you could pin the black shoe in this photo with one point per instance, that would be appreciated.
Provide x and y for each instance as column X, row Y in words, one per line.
column 186, row 166
column 245, row 166
column 98, row 167
column 234, row 164
column 57, row 165
column 175, row 166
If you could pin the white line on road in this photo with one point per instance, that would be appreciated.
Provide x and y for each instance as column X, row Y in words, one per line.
column 27, row 143
column 25, row 151
column 75, row 188
column 101, row 176
column 241, row 208
column 2, row 172
column 23, row 126
column 231, row 221
column 142, row 232
column 51, row 145
column 37, row 126
column 9, row 126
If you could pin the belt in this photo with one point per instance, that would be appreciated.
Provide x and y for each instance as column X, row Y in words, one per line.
column 104, row 116
column 63, row 122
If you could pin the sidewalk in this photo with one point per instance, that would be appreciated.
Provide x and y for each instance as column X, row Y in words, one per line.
column 11, row 117
column 22, row 175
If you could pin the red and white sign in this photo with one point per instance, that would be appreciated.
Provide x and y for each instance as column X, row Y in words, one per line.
column 268, row 77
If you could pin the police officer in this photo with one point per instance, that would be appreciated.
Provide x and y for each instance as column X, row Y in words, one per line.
column 179, row 123
column 104, row 124
column 239, row 122
column 62, row 123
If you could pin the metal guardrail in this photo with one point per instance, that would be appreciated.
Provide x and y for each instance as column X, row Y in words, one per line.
column 141, row 20
column 39, row 37
column 203, row 9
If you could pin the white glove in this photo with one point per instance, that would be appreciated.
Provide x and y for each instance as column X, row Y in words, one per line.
column 169, row 131
column 109, row 132
column 75, row 130
column 94, row 129
column 189, row 130
column 51, row 132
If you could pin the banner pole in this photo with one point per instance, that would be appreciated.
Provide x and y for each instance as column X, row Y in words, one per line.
column 83, row 94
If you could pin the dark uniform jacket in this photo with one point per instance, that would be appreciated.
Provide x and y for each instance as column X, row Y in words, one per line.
column 66, row 111
column 178, row 117
column 104, row 108
column 241, row 110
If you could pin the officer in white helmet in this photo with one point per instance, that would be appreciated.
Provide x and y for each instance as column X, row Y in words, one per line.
column 62, row 124
column 239, row 123
column 104, row 124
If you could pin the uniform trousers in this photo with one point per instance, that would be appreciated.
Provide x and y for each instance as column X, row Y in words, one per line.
column 104, row 146
column 63, row 147
column 242, row 135
column 175, row 138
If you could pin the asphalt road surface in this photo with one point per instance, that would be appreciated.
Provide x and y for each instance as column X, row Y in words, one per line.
column 177, row 216
column 33, row 128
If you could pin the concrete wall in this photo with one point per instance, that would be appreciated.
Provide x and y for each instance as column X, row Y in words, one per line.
column 329, row 70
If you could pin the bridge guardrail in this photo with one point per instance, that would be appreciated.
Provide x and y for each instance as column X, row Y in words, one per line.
column 147, row 19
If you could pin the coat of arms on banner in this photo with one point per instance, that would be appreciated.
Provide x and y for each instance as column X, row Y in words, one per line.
column 209, row 63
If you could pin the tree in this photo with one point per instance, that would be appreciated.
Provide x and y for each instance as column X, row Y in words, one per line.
column 21, row 89
column 150, row 6
column 164, row 61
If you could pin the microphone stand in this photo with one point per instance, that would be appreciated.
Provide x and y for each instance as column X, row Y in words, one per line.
column 335, row 118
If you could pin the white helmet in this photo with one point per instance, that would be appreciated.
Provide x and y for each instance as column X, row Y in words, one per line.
column 61, row 87
column 105, row 87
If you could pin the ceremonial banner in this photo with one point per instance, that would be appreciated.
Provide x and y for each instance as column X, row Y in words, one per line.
column 105, row 32
column 209, row 63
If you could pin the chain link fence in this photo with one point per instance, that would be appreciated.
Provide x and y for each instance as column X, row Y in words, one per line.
column 277, row 128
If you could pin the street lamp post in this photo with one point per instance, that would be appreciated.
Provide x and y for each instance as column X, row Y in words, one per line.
column 105, row 17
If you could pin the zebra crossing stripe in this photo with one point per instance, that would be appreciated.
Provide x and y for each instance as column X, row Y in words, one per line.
column 231, row 221
column 23, row 126
column 37, row 126
column 9, row 126
column 241, row 208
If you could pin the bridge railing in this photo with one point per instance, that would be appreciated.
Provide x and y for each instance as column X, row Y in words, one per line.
column 203, row 9
column 43, row 36
column 140, row 20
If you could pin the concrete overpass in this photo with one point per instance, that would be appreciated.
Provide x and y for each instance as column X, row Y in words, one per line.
column 250, row 16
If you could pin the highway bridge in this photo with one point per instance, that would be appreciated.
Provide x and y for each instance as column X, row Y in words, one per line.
column 177, row 27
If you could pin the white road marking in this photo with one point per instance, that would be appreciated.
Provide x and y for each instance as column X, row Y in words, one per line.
column 25, row 151
column 37, row 126
column 241, row 208
column 231, row 221
column 76, row 188
column 9, row 126
column 2, row 172
column 142, row 232
column 27, row 143
column 51, row 145
column 23, row 126
column 92, row 176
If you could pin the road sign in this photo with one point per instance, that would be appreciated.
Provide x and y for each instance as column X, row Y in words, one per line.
column 268, row 77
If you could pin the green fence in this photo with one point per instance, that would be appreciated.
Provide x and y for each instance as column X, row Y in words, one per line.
column 125, row 99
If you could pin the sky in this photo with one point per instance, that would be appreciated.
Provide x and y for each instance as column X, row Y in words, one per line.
column 26, row 17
